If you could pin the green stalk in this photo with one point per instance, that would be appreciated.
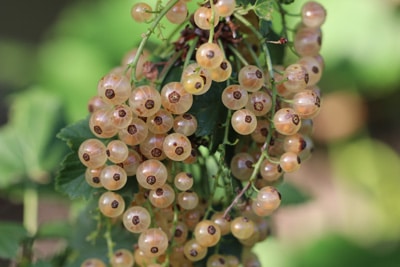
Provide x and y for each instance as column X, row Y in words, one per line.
column 31, row 204
column 147, row 35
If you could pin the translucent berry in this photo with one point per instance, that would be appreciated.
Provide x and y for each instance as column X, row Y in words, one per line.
column 113, row 177
column 307, row 41
column 122, row 258
column 161, row 122
column 260, row 133
column 194, row 84
column 295, row 78
column 117, row 151
column 111, row 204
column 180, row 233
column 114, row 88
column 223, row 223
column 268, row 198
column 195, row 69
column 222, row 72
column 177, row 146
column 153, row 242
column 96, row 103
column 175, row 98
column 152, row 146
column 289, row 162
column 194, row 251
column 203, row 18
column 217, row 260
column 183, row 181
column 187, row 200
column 251, row 78
column 225, row 8
column 209, row 55
column 244, row 121
column 178, row 13
column 313, row 14
column 242, row 166
column 185, row 124
column 100, row 124
column 242, row 227
column 121, row 116
column 287, row 121
column 93, row 262
column 162, row 196
column 207, row 233
column 92, row 177
column 259, row 103
column 307, row 104
column 141, row 12
column 151, row 174
column 314, row 69
column 145, row 101
column 92, row 153
column 270, row 171
column 136, row 219
column 135, row 133
column 131, row 163
column 234, row 97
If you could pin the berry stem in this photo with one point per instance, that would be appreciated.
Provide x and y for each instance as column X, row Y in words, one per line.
column 108, row 238
column 147, row 35
column 211, row 36
column 190, row 52
column 264, row 152
column 31, row 203
column 238, row 55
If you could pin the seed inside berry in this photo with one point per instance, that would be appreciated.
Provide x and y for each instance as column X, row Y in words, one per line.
column 86, row 157
column 159, row 192
column 193, row 252
column 211, row 230
column 132, row 129
column 156, row 152
column 121, row 113
column 158, row 120
column 174, row 97
column 237, row 95
column 97, row 129
column 179, row 150
column 116, row 177
column 151, row 179
column 149, row 104
column 135, row 220
column 248, row 119
column 109, row 93
column 210, row 54
column 114, row 204
column 259, row 74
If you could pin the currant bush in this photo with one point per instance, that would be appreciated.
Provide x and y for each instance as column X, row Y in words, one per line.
column 189, row 143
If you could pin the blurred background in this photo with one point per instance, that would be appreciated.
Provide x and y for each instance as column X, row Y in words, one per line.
column 52, row 54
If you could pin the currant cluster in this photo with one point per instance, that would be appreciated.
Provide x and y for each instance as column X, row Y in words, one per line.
column 144, row 129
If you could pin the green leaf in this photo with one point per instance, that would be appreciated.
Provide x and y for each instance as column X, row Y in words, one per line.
column 87, row 225
column 11, row 236
column 71, row 178
column 291, row 195
column 28, row 141
column 264, row 9
column 209, row 111
column 286, row 2
column 75, row 134
column 54, row 229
